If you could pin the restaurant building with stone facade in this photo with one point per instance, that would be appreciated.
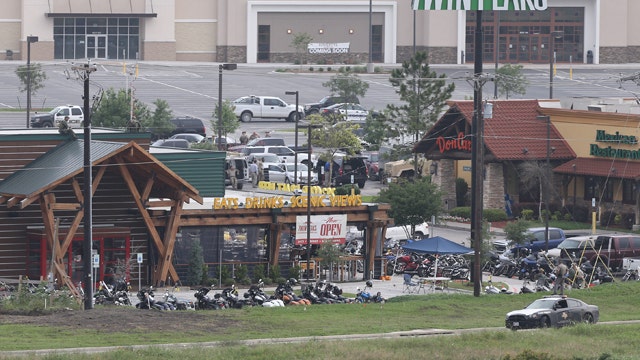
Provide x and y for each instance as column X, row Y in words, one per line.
column 594, row 157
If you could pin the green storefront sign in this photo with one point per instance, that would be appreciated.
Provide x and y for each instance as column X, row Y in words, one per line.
column 515, row 5
column 617, row 138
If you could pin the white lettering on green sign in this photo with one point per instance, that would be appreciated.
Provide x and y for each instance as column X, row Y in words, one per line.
column 515, row 5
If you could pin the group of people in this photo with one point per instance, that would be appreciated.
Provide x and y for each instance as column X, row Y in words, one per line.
column 244, row 138
column 563, row 272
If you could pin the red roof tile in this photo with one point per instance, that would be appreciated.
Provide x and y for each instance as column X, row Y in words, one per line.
column 615, row 168
column 513, row 133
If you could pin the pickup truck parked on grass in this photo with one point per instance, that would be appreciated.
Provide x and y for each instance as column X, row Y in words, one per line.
column 266, row 107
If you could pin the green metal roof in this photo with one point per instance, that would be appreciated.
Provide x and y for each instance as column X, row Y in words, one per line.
column 204, row 170
column 58, row 163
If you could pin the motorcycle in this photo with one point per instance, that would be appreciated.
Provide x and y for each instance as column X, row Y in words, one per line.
column 507, row 266
column 285, row 293
column 108, row 294
column 177, row 304
column 408, row 264
column 364, row 296
column 256, row 297
column 203, row 302
column 148, row 301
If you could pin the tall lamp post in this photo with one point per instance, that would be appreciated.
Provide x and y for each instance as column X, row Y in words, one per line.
column 309, row 127
column 30, row 39
column 556, row 34
column 295, row 164
column 220, row 68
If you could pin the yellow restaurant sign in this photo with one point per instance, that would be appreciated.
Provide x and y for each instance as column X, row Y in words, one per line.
column 272, row 202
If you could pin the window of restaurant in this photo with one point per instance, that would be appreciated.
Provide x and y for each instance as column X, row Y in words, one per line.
column 628, row 191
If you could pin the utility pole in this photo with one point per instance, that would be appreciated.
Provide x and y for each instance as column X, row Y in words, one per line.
column 477, row 159
column 83, row 72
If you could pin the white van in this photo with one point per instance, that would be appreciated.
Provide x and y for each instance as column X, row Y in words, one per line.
column 396, row 234
column 242, row 168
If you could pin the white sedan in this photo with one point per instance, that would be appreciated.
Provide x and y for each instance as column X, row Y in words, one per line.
column 284, row 173
column 349, row 111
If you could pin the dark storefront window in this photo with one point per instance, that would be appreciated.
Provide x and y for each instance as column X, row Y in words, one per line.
column 525, row 36
column 264, row 43
column 628, row 191
column 599, row 188
column 104, row 38
column 376, row 44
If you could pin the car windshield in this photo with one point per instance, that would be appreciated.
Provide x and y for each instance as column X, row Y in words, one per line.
column 301, row 167
column 573, row 244
column 324, row 99
column 542, row 304
column 267, row 158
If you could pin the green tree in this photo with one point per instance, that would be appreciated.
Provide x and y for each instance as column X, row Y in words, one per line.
column 38, row 76
column 230, row 122
column 329, row 255
column 412, row 202
column 196, row 263
column 534, row 174
column 114, row 110
column 300, row 42
column 347, row 85
column 511, row 80
column 159, row 122
column 424, row 94
column 333, row 134
column 516, row 230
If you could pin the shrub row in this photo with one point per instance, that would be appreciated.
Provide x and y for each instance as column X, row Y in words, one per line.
column 487, row 214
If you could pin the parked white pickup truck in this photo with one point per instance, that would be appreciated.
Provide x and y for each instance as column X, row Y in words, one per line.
column 267, row 107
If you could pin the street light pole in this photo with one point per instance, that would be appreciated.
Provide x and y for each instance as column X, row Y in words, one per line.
column 220, row 68
column 308, row 198
column 295, row 156
column 556, row 34
column 30, row 39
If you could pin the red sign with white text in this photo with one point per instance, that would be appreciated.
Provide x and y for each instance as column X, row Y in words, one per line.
column 323, row 228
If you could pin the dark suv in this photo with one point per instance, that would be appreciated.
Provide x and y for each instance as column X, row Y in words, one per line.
column 314, row 108
column 350, row 170
column 188, row 124
column 183, row 125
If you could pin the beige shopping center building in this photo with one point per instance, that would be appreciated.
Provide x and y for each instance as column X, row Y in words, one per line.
column 261, row 31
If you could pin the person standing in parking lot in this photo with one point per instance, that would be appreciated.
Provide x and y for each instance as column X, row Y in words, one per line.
column 260, row 169
column 232, row 176
column 244, row 139
column 560, row 271
column 254, row 135
column 253, row 173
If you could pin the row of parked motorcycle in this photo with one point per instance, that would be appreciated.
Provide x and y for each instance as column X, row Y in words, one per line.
column 426, row 265
column 536, row 270
column 321, row 292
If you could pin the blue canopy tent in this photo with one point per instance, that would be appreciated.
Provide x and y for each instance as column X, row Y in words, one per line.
column 436, row 245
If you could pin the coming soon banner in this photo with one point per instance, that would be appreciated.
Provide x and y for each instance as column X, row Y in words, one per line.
column 323, row 228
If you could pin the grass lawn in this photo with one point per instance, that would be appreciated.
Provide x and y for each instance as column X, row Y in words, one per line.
column 433, row 311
